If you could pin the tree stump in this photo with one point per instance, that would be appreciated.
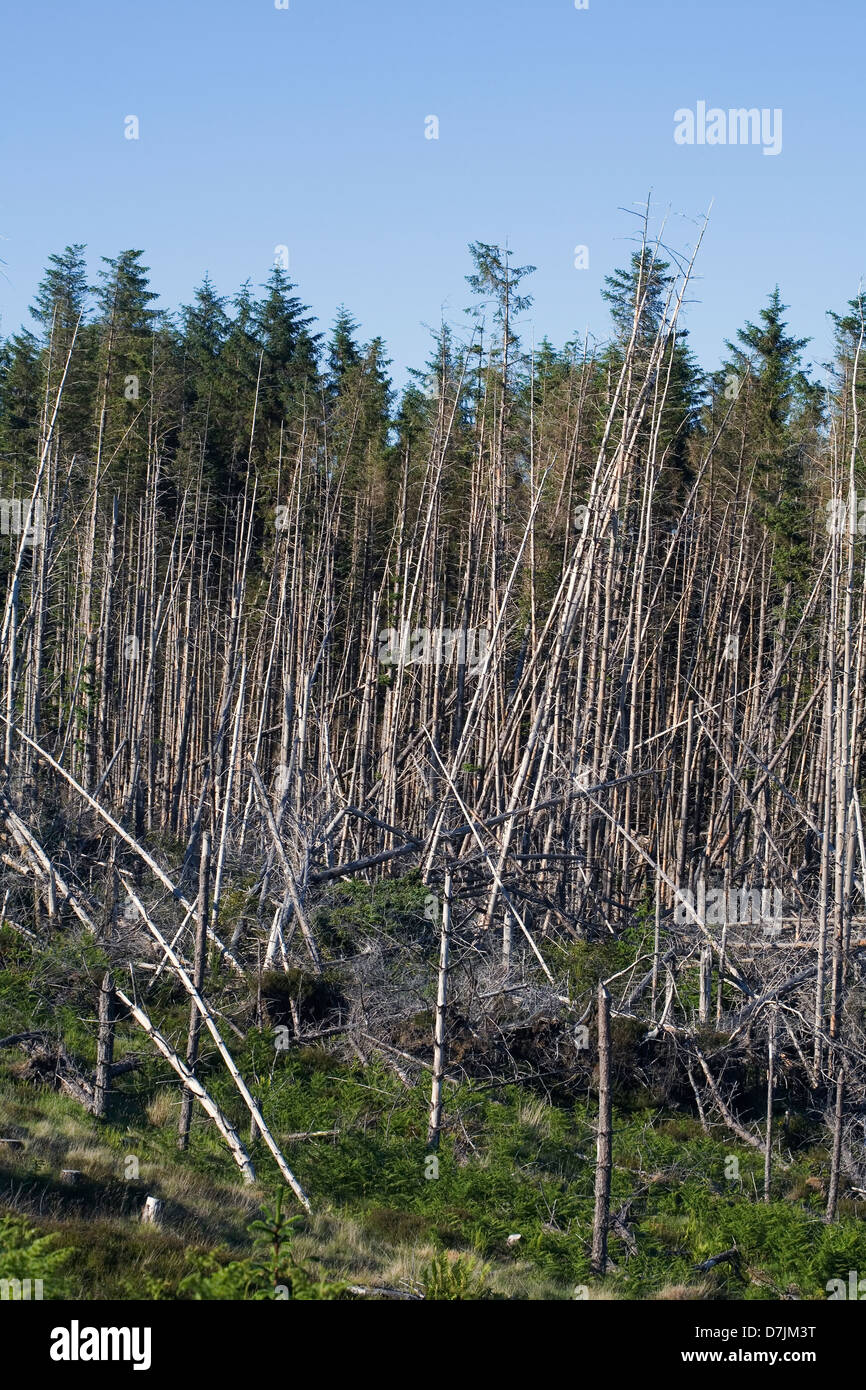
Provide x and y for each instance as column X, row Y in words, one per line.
column 151, row 1212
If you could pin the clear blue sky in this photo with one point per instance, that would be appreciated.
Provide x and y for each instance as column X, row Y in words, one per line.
column 305, row 127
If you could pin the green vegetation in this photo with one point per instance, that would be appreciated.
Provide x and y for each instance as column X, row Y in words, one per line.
column 512, row 1162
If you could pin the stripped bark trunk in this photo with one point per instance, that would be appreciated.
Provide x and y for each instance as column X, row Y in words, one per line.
column 104, row 1046
column 768, row 1139
column 435, row 1124
column 210, row 1107
column 833, row 1192
column 198, row 981
column 706, row 985
column 604, row 1143
column 222, row 1049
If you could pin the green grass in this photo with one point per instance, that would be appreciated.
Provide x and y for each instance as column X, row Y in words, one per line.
column 513, row 1161
column 519, row 1168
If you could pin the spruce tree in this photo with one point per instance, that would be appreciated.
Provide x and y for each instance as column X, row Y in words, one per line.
column 290, row 356
column 21, row 405
column 640, row 298
column 61, row 298
column 783, row 410
column 126, row 324
column 60, row 310
column 204, row 328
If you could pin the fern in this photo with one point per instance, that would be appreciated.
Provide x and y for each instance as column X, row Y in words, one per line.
column 449, row 1280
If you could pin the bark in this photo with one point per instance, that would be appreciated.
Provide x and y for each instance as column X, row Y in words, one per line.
column 104, row 1045
column 439, row 1050
column 239, row 1153
column 198, row 981
column 838, row 1124
column 604, row 1144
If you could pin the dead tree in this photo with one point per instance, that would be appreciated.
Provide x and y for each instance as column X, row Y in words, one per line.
column 435, row 1124
column 198, row 981
column 604, row 1143
column 833, row 1191
column 768, row 1139
column 104, row 1045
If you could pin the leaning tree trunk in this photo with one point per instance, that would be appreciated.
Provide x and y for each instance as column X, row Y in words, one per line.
column 225, row 1128
column 198, row 981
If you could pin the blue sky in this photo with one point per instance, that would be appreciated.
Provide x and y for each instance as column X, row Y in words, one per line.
column 306, row 128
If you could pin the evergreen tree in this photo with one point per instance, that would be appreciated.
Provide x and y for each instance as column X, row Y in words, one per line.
column 639, row 293
column 783, row 409
column 237, row 382
column 60, row 310
column 850, row 361
column 61, row 298
column 124, row 296
column 290, row 355
column 435, row 417
column 496, row 283
column 126, row 325
column 21, row 406
column 640, row 298
column 205, row 328
column 343, row 351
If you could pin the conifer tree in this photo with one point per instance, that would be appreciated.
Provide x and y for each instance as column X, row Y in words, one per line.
column 640, row 299
column 783, row 410
column 343, row 351
column 61, row 298
column 60, row 311
column 126, row 324
column 21, row 401
column 496, row 284
column 204, row 329
column 289, row 376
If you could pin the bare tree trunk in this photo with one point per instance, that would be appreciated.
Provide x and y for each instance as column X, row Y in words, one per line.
column 198, row 981
column 206, row 1014
column 706, row 985
column 104, row 1046
column 10, row 674
column 604, row 1147
column 768, row 1140
column 239, row 1153
column 833, row 1194
column 439, row 1024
